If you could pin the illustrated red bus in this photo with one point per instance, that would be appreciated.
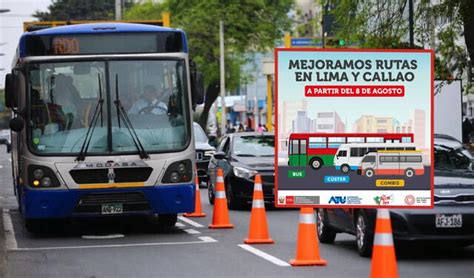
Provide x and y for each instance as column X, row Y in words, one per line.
column 319, row 149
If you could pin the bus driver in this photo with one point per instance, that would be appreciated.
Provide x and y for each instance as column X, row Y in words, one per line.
column 149, row 103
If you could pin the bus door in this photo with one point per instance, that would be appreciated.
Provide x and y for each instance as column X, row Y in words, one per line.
column 298, row 151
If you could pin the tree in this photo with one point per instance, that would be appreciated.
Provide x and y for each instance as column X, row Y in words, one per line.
column 384, row 24
column 78, row 10
column 250, row 26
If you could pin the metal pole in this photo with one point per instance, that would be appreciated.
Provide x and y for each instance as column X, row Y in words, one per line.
column 222, row 65
column 118, row 10
column 269, row 103
column 410, row 22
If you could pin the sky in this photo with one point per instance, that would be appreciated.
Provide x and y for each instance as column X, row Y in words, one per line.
column 11, row 28
column 417, row 93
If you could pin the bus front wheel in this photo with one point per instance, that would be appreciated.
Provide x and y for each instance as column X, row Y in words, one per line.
column 345, row 169
column 316, row 163
column 369, row 173
column 167, row 220
column 409, row 173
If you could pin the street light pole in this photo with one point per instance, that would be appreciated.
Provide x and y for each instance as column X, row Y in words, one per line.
column 118, row 10
column 222, row 69
column 411, row 23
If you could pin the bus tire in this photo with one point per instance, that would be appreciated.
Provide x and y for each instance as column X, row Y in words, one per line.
column 35, row 226
column 316, row 163
column 167, row 220
column 369, row 172
column 409, row 173
column 345, row 168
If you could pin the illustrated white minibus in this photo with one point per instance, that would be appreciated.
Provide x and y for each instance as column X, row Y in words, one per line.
column 349, row 156
column 395, row 163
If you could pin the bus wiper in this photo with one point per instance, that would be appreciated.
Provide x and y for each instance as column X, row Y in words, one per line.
column 90, row 131
column 128, row 124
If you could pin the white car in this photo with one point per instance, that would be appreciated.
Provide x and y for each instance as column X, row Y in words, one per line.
column 5, row 138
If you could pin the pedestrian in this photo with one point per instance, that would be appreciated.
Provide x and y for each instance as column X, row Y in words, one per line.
column 241, row 128
column 466, row 131
column 260, row 128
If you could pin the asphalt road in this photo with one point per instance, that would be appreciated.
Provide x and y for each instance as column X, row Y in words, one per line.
column 131, row 247
column 314, row 180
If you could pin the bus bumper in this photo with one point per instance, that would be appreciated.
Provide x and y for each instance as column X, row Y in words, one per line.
column 147, row 200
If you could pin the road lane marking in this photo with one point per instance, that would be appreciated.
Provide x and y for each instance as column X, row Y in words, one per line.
column 103, row 237
column 190, row 222
column 207, row 239
column 191, row 231
column 263, row 255
column 180, row 225
column 201, row 241
column 10, row 240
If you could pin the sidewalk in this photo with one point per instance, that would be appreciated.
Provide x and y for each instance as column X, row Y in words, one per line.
column 3, row 253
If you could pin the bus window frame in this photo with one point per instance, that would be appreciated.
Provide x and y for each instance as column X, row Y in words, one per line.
column 106, row 58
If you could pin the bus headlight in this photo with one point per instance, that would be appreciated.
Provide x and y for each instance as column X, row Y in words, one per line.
column 244, row 172
column 46, row 182
column 42, row 176
column 174, row 177
column 38, row 174
column 180, row 171
column 181, row 168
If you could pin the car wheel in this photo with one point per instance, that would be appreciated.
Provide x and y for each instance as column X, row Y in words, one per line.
column 364, row 240
column 369, row 173
column 326, row 234
column 345, row 169
column 232, row 202
column 167, row 220
column 210, row 192
column 409, row 173
column 316, row 163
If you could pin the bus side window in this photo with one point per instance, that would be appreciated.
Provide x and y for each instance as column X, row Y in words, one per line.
column 355, row 152
column 342, row 154
column 402, row 158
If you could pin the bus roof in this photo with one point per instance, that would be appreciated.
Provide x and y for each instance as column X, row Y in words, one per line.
column 98, row 28
column 385, row 135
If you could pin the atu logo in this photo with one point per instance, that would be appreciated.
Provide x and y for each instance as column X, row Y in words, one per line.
column 338, row 200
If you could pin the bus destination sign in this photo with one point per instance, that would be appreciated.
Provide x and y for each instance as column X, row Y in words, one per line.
column 354, row 128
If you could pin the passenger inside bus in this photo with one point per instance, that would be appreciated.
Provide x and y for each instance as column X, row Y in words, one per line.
column 62, row 108
column 149, row 103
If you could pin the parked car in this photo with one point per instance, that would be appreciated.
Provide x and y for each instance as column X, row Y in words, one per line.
column 5, row 138
column 242, row 156
column 451, row 220
column 204, row 152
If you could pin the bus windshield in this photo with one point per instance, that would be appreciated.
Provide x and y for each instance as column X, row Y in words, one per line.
column 64, row 96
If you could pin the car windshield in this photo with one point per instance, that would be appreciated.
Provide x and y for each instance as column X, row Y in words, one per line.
column 253, row 146
column 447, row 158
column 199, row 134
column 63, row 97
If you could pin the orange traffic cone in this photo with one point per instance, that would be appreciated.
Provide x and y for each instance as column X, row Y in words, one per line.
column 220, row 214
column 307, row 248
column 197, row 207
column 258, row 230
column 384, row 262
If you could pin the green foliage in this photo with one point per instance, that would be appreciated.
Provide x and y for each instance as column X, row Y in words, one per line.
column 78, row 10
column 145, row 11
column 249, row 27
column 384, row 24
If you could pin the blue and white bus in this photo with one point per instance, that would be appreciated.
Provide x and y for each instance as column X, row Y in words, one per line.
column 102, row 122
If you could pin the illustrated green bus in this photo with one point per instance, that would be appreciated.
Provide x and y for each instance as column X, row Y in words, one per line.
column 318, row 149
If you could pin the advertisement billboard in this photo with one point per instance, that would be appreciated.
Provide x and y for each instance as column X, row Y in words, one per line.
column 354, row 128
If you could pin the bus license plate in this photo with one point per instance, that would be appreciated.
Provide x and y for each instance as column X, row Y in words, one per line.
column 112, row 208
column 448, row 220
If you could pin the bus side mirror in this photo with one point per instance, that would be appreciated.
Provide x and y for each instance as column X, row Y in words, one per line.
column 10, row 90
column 17, row 124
